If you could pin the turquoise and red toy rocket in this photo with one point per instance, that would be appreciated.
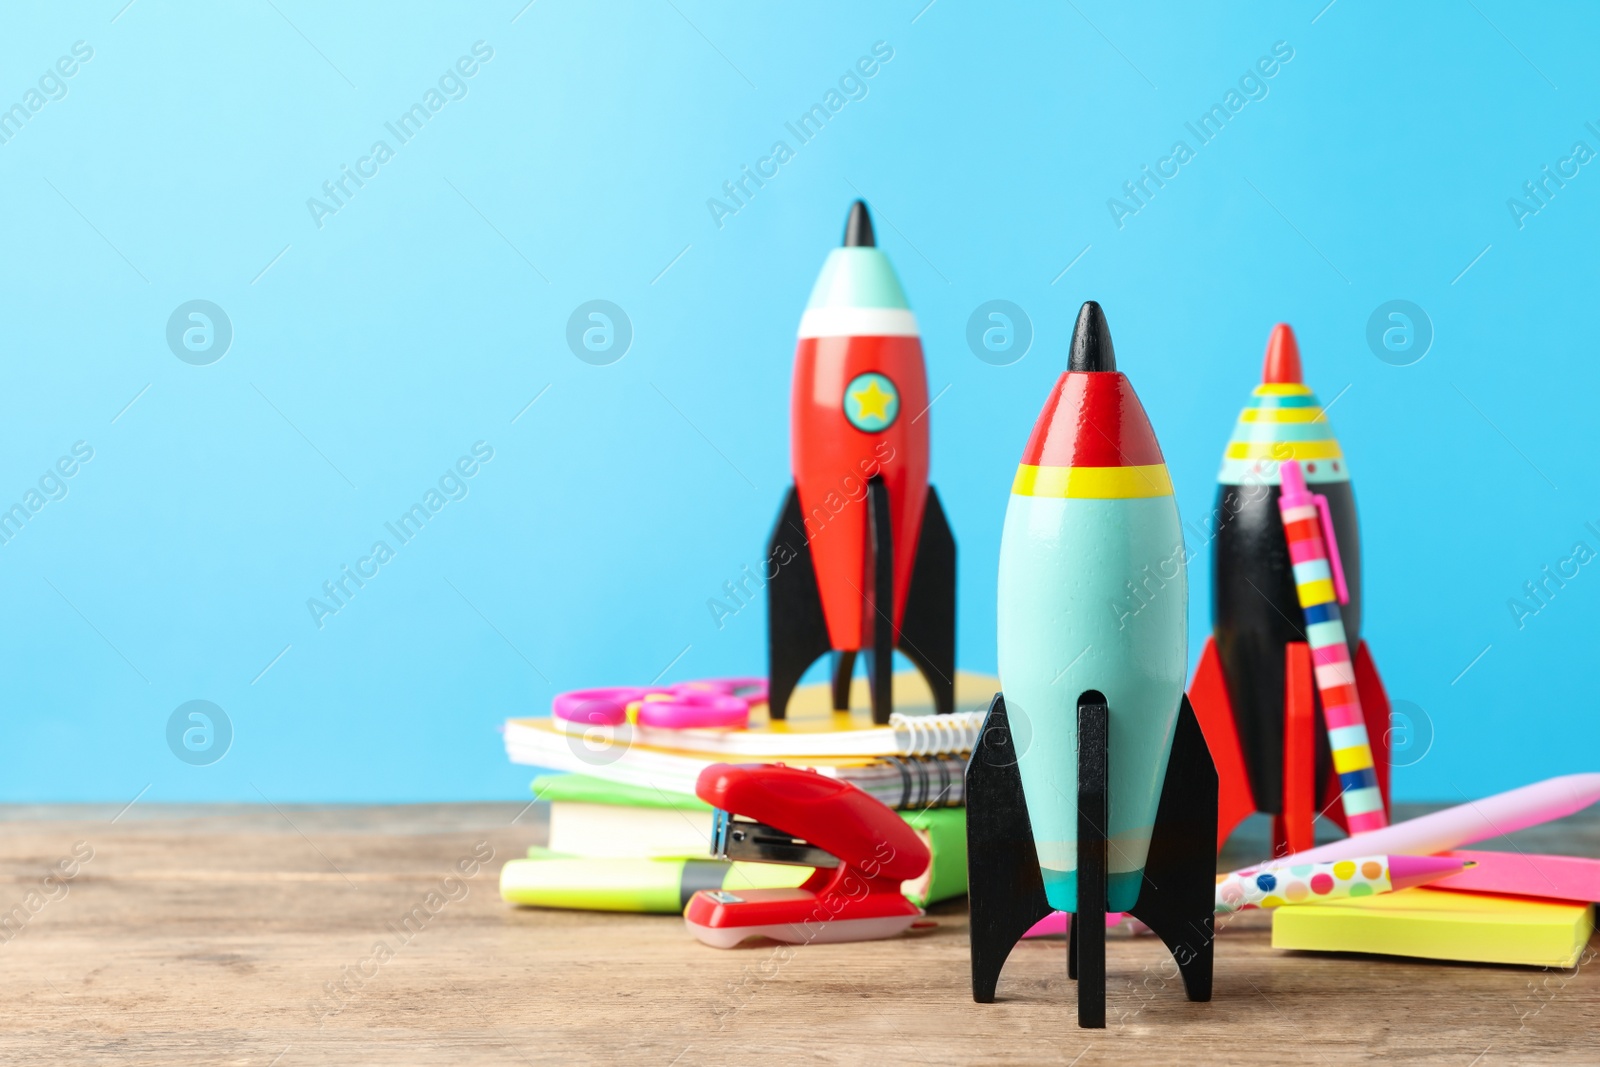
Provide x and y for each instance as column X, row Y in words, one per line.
column 1092, row 512
column 864, row 557
column 1090, row 787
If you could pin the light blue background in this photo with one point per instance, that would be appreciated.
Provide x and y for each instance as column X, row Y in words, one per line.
column 427, row 313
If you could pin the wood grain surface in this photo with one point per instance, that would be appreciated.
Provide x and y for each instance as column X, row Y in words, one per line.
column 260, row 935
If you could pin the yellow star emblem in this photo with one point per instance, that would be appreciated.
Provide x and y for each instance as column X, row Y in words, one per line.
column 874, row 402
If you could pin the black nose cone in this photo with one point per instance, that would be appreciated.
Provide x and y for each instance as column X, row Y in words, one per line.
column 858, row 227
column 1091, row 341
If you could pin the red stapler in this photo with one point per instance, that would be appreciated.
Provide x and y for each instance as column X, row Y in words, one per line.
column 861, row 850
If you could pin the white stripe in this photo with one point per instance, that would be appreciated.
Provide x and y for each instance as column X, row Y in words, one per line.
column 858, row 322
column 1304, row 511
column 1332, row 674
column 1063, row 855
column 1243, row 472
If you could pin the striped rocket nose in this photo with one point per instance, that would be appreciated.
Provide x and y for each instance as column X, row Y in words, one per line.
column 1284, row 420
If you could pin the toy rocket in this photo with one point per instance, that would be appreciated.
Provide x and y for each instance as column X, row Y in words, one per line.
column 864, row 558
column 1091, row 508
column 1092, row 724
column 1254, row 689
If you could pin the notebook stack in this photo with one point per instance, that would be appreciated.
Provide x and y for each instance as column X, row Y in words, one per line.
column 625, row 831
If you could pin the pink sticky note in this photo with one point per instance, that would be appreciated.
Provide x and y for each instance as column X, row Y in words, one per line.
column 1058, row 922
column 1517, row 874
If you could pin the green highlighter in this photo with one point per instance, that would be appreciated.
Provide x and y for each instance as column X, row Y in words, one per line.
column 660, row 886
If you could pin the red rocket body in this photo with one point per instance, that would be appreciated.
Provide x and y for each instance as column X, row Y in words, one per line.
column 832, row 461
column 870, row 560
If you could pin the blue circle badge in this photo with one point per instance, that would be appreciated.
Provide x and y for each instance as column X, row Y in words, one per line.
column 871, row 402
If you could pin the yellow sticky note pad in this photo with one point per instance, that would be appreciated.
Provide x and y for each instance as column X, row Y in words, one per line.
column 1441, row 925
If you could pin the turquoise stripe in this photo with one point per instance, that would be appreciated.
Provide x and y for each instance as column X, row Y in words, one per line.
column 1312, row 570
column 1258, row 432
column 1122, row 890
column 1347, row 737
column 1323, row 634
column 1362, row 801
column 1285, row 402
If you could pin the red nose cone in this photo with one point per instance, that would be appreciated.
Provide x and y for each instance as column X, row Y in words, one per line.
column 1283, row 358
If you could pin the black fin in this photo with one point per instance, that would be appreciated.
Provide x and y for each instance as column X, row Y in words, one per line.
column 1094, row 872
column 1178, row 897
column 844, row 666
column 928, row 626
column 880, row 599
column 1005, row 892
column 797, row 631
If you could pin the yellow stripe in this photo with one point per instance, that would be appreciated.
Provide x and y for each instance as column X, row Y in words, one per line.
column 1317, row 592
column 1281, row 389
column 1282, row 450
column 1354, row 758
column 1281, row 415
column 1103, row 483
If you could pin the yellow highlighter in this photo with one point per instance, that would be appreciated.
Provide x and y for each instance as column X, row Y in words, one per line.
column 657, row 885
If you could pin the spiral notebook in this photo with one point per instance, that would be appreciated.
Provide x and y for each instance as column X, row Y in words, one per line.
column 917, row 761
column 813, row 728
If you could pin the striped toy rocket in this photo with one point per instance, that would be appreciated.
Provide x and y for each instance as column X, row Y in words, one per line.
column 1320, row 585
column 1255, row 688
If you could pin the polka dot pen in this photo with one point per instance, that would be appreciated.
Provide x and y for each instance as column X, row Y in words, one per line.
column 1307, row 883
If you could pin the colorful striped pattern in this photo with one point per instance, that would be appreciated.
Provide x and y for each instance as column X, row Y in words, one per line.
column 1283, row 421
column 1330, row 658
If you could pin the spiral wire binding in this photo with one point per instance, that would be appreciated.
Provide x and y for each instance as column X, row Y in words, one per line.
column 936, row 735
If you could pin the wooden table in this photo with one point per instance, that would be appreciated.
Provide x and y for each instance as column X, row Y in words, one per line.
column 257, row 935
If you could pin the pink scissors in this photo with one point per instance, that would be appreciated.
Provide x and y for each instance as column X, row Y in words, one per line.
column 720, row 703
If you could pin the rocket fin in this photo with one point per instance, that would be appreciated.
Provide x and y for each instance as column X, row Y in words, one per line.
column 797, row 631
column 1375, row 708
column 1088, row 947
column 1005, row 891
column 844, row 665
column 928, row 626
column 880, row 599
column 1295, row 828
column 1208, row 695
column 1178, row 896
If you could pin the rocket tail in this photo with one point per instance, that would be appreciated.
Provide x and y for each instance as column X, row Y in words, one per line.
column 928, row 626
column 1005, row 888
column 1178, row 898
column 797, row 631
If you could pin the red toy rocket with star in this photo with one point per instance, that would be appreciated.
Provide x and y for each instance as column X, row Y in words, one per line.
column 865, row 560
